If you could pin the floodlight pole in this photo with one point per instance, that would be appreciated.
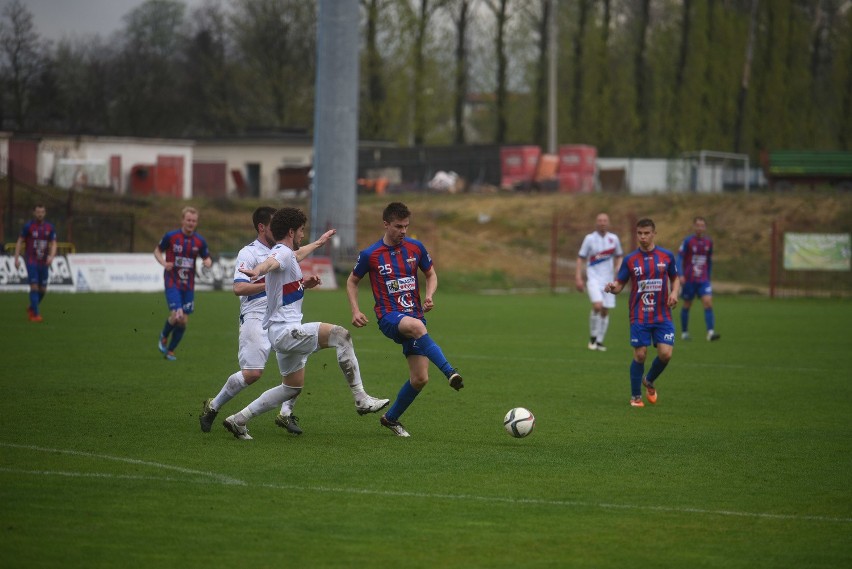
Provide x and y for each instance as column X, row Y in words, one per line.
column 551, row 79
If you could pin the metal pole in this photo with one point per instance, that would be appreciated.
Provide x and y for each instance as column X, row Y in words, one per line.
column 551, row 79
column 333, row 196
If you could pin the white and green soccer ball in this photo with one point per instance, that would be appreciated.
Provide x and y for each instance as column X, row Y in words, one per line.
column 519, row 422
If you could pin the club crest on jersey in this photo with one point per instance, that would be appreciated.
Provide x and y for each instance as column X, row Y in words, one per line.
column 411, row 261
column 661, row 266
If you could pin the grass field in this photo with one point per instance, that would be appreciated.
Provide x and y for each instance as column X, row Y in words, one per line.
column 745, row 462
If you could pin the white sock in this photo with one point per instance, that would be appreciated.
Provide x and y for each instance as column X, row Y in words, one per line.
column 594, row 324
column 287, row 407
column 603, row 324
column 234, row 385
column 341, row 340
column 268, row 400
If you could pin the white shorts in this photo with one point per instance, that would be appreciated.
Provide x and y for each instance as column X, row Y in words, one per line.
column 293, row 344
column 596, row 293
column 254, row 343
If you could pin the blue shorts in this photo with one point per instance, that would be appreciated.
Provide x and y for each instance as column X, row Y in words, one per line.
column 647, row 334
column 177, row 298
column 389, row 325
column 693, row 289
column 38, row 274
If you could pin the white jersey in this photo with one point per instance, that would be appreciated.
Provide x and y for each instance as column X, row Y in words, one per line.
column 598, row 251
column 249, row 257
column 284, row 289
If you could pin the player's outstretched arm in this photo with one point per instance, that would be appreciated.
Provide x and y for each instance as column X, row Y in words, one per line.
column 306, row 250
column 270, row 264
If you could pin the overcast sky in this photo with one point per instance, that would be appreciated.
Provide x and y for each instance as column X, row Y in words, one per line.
column 55, row 19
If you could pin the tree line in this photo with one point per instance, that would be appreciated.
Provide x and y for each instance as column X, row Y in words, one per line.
column 635, row 77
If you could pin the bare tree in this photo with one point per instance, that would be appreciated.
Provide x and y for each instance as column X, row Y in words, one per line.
column 22, row 59
column 500, row 8
column 276, row 52
column 640, row 69
column 460, row 12
column 209, row 68
column 376, row 92
column 743, row 92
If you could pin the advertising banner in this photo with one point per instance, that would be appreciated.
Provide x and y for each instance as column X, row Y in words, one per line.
column 15, row 279
column 116, row 272
column 135, row 272
column 817, row 252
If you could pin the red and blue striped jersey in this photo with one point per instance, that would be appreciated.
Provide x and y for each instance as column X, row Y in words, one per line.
column 37, row 236
column 182, row 250
column 649, row 273
column 393, row 275
column 695, row 258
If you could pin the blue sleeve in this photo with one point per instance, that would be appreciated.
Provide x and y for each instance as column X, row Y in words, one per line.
column 362, row 265
column 163, row 245
column 674, row 270
column 623, row 274
column 205, row 252
column 425, row 259
column 679, row 260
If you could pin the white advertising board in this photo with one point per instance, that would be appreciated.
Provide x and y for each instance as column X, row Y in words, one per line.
column 135, row 272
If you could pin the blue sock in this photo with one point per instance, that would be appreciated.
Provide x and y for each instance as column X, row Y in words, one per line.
column 433, row 351
column 657, row 368
column 41, row 294
column 176, row 337
column 636, row 371
column 167, row 329
column 684, row 319
column 404, row 398
column 34, row 301
column 709, row 319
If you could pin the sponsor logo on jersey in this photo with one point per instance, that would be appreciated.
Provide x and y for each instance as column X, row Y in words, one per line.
column 650, row 285
column 404, row 284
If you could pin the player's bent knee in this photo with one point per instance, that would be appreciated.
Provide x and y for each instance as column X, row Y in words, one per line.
column 339, row 336
column 251, row 375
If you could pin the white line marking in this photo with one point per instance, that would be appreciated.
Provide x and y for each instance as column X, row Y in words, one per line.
column 213, row 478
column 220, row 477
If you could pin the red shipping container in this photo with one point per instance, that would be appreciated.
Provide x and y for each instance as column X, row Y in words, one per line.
column 578, row 158
column 518, row 164
column 577, row 167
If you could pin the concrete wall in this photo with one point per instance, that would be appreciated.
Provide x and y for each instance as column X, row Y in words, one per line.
column 132, row 151
column 270, row 155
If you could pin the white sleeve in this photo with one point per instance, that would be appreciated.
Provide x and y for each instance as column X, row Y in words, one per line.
column 245, row 260
column 584, row 248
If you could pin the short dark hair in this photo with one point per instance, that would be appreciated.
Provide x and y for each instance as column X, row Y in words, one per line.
column 262, row 215
column 396, row 210
column 284, row 220
column 646, row 222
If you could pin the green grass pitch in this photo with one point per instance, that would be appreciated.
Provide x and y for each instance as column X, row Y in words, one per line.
column 746, row 461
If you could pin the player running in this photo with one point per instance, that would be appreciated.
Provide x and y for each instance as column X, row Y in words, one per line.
column 177, row 252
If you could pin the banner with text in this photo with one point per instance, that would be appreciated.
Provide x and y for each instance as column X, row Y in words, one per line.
column 817, row 252
column 135, row 272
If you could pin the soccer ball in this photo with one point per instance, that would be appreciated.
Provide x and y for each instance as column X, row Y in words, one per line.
column 519, row 422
